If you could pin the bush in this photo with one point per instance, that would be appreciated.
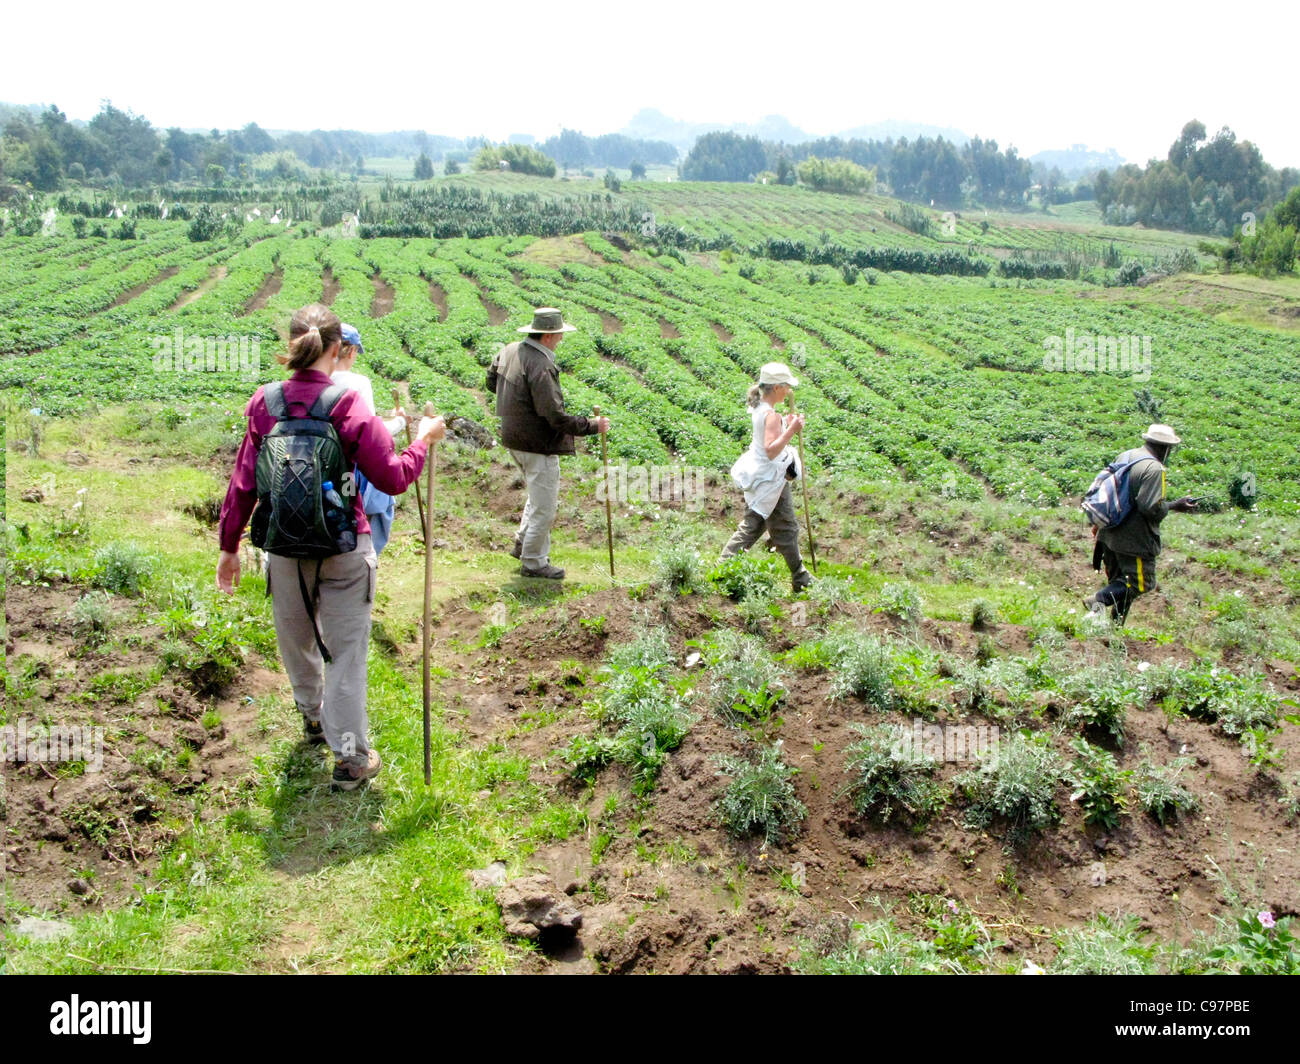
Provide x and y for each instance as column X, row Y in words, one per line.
column 760, row 797
column 1099, row 784
column 887, row 770
column 1102, row 697
column 1130, row 273
column 1160, row 793
column 746, row 684
column 880, row 949
column 123, row 568
column 746, row 576
column 862, row 666
column 649, row 650
column 1210, row 692
column 900, row 600
column 206, row 225
column 92, row 617
column 983, row 615
column 1018, row 784
column 1107, row 946
column 652, row 728
column 678, row 567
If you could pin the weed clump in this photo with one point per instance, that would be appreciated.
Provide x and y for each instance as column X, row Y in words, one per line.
column 760, row 798
column 889, row 773
column 1018, row 784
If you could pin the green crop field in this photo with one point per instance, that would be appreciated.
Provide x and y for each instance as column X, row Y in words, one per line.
column 699, row 760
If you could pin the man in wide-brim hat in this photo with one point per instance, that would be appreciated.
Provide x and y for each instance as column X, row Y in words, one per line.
column 536, row 429
column 1128, row 551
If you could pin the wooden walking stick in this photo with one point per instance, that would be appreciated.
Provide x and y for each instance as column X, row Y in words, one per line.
column 431, row 464
column 609, row 516
column 807, row 514
column 398, row 402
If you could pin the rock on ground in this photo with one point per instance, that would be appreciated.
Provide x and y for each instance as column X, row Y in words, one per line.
column 534, row 905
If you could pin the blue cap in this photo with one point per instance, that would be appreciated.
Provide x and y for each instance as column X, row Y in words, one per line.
column 351, row 336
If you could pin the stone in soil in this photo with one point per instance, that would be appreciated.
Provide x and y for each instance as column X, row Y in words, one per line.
column 533, row 907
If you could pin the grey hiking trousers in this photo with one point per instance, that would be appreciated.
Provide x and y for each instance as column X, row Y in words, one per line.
column 333, row 693
column 542, row 477
column 782, row 532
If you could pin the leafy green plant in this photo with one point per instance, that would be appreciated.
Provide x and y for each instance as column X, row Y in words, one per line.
column 888, row 772
column 1211, row 692
column 1160, row 793
column 586, row 755
column 1106, row 946
column 760, row 799
column 877, row 948
column 1264, row 946
column 678, row 567
column 861, row 666
column 745, row 683
column 123, row 568
column 983, row 615
column 745, row 576
column 92, row 617
column 1101, row 697
column 900, row 600
column 1017, row 783
column 648, row 650
column 651, row 730
column 1100, row 784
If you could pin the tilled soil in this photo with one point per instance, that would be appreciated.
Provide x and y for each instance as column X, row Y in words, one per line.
column 75, row 839
column 673, row 892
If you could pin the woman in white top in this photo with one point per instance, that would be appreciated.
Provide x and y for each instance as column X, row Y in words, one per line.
column 379, row 506
column 765, row 472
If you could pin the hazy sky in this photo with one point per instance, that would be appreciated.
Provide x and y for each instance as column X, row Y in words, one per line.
column 1037, row 75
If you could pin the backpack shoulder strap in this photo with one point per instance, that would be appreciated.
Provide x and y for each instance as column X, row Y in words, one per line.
column 326, row 401
column 273, row 396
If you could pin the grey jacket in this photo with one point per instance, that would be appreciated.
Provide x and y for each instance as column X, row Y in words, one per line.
column 1138, row 534
column 526, row 382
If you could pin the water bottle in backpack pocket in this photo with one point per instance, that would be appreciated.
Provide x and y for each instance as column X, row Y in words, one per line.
column 340, row 518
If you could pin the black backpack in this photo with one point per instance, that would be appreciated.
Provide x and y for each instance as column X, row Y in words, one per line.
column 293, row 516
column 298, row 456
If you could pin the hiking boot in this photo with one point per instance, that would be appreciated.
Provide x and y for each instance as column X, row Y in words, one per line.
column 312, row 731
column 546, row 572
column 1094, row 605
column 517, row 551
column 349, row 777
column 802, row 579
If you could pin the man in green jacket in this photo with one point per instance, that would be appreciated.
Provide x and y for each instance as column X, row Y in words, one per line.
column 1129, row 549
column 537, row 430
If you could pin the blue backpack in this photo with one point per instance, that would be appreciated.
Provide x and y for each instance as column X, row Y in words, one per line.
column 1108, row 501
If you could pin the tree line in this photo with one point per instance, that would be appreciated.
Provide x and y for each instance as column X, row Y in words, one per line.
column 1204, row 185
column 44, row 149
column 925, row 169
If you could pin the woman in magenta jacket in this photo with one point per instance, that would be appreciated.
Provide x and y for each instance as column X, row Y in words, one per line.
column 331, row 696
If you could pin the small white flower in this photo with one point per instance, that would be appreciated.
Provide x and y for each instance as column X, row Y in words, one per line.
column 1031, row 968
column 1143, row 666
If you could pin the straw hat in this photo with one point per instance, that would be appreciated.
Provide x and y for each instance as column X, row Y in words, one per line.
column 1161, row 434
column 777, row 373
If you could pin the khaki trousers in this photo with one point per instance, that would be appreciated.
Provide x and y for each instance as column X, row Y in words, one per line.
column 333, row 693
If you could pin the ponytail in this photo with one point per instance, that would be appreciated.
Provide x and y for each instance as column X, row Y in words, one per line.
column 313, row 330
column 757, row 393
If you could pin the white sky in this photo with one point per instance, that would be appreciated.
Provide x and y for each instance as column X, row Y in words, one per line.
column 1037, row 75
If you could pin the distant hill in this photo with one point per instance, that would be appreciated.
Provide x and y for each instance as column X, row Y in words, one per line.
column 652, row 124
column 892, row 129
column 1078, row 160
